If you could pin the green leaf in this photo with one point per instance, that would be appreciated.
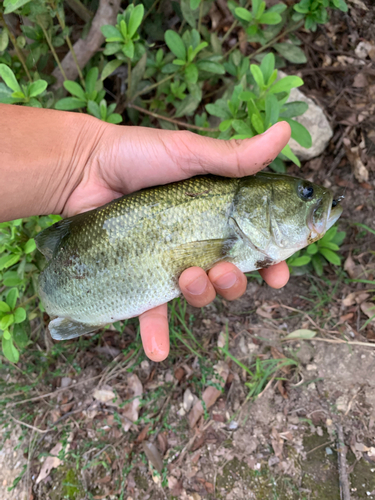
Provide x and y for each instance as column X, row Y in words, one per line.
column 75, row 89
column 301, row 334
column 12, row 6
column 135, row 19
column 296, row 108
column 36, row 88
column 317, row 264
column 30, row 246
column 9, row 350
column 4, row 308
column 286, row 84
column 286, row 151
column 8, row 76
column 112, row 33
column 331, row 256
column 191, row 73
column 188, row 13
column 211, row 67
column 12, row 298
column 70, row 103
column 272, row 106
column 175, row 44
column 128, row 49
column 242, row 128
column 194, row 4
column 267, row 66
column 270, row 18
column 243, row 14
column 93, row 109
column 300, row 261
column 258, row 75
column 4, row 40
column 225, row 125
column 137, row 74
column 187, row 106
column 112, row 48
column 300, row 133
column 291, row 52
column 9, row 260
column 11, row 278
column 257, row 124
column 246, row 95
column 219, row 111
column 19, row 315
column 312, row 249
column 6, row 321
column 114, row 118
column 20, row 335
column 330, row 245
column 91, row 79
column 110, row 67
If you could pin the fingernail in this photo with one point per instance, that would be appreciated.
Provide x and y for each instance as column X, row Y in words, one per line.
column 226, row 281
column 198, row 286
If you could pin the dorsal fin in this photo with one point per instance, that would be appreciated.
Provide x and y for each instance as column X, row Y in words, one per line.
column 49, row 240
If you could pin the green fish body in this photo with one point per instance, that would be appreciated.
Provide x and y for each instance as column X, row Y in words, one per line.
column 119, row 260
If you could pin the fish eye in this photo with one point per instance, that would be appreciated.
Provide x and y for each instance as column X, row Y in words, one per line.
column 334, row 203
column 305, row 191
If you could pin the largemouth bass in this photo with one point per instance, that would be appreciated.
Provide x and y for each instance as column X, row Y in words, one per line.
column 119, row 260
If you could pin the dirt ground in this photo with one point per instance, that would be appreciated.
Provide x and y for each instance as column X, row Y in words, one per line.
column 102, row 422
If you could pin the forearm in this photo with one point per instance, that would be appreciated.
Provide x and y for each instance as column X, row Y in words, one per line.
column 42, row 157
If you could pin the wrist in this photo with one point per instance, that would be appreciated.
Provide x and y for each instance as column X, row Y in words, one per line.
column 43, row 157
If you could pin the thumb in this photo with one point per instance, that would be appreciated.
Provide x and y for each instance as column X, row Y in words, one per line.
column 142, row 157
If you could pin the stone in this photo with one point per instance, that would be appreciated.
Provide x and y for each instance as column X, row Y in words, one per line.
column 304, row 353
column 316, row 123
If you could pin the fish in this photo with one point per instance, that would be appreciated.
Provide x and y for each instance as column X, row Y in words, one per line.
column 124, row 258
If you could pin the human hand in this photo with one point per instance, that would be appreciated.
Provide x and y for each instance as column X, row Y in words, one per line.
column 126, row 159
column 67, row 163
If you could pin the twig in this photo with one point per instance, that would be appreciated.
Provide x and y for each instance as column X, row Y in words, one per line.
column 336, row 161
column 320, row 446
column 85, row 49
column 16, row 48
column 154, row 85
column 171, row 120
column 342, row 465
column 37, row 398
column 200, row 16
column 41, row 431
column 52, row 49
column 69, row 43
column 81, row 10
column 351, row 68
column 128, row 93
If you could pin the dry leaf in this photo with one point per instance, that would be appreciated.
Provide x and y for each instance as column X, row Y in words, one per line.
column 355, row 298
column 360, row 80
column 142, row 435
column 162, row 442
column 130, row 411
column 359, row 170
column 105, row 394
column 50, row 463
column 369, row 309
column 351, row 268
column 276, row 354
column 210, row 394
column 300, row 334
column 153, row 455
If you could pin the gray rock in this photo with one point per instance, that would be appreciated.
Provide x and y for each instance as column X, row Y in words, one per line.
column 304, row 353
column 316, row 123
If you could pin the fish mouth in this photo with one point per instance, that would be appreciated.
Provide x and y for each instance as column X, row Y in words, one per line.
column 318, row 223
column 334, row 212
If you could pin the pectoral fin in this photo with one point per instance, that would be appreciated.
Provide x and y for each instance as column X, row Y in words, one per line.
column 201, row 253
column 65, row 329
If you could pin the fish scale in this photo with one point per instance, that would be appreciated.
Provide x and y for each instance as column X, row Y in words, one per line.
column 124, row 258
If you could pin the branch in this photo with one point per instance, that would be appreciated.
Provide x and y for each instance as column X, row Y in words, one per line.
column 172, row 120
column 85, row 49
column 343, row 469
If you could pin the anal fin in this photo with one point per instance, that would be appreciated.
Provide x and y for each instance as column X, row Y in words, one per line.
column 65, row 328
